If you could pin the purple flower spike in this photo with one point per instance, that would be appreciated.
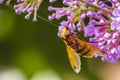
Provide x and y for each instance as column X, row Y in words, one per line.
column 7, row 2
column 29, row 7
column 98, row 21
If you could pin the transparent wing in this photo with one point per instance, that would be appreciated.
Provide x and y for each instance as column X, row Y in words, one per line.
column 74, row 59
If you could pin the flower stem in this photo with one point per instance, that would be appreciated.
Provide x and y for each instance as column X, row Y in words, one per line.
column 97, row 7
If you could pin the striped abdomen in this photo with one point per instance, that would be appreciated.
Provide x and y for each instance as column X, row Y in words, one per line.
column 83, row 48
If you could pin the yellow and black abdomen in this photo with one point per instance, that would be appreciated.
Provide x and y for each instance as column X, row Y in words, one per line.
column 84, row 49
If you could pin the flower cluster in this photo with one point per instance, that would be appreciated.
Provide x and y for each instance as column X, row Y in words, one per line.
column 28, row 6
column 98, row 19
column 7, row 2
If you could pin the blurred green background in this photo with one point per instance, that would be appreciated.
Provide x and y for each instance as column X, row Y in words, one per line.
column 33, row 51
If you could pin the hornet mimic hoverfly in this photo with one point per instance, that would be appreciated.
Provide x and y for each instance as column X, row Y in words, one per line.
column 76, row 48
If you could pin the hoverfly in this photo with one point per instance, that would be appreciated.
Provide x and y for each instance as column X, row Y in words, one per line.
column 76, row 48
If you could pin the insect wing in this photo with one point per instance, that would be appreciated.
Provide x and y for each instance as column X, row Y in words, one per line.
column 74, row 59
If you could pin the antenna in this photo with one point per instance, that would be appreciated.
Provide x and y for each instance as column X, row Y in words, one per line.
column 47, row 20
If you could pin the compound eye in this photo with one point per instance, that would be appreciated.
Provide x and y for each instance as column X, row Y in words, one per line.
column 67, row 33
